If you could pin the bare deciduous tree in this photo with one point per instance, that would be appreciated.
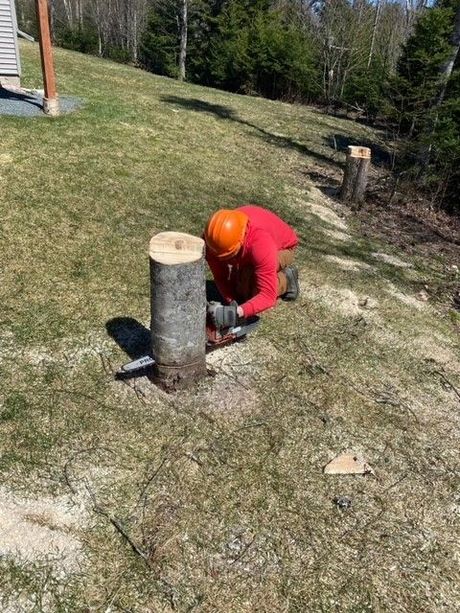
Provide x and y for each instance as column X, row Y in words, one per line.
column 183, row 28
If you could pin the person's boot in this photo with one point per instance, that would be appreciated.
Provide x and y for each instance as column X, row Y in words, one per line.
column 293, row 288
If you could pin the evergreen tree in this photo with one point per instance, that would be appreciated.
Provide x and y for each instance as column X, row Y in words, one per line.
column 416, row 85
column 428, row 102
column 257, row 50
column 366, row 88
column 159, row 45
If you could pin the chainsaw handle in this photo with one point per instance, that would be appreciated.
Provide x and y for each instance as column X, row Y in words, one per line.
column 223, row 316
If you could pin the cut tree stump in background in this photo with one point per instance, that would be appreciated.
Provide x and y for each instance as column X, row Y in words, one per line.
column 178, row 308
column 355, row 177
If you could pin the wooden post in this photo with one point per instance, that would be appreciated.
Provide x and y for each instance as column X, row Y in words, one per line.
column 355, row 177
column 178, row 308
column 50, row 100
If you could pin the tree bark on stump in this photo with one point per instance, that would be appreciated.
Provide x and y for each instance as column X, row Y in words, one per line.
column 178, row 309
column 355, row 177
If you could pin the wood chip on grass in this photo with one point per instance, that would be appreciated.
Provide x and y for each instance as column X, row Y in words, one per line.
column 348, row 464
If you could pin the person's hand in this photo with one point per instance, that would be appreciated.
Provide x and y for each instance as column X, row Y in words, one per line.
column 240, row 312
column 223, row 316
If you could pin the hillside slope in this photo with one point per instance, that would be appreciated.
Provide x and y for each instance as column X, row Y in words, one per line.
column 119, row 497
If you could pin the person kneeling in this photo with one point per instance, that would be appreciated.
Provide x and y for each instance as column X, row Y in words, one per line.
column 250, row 252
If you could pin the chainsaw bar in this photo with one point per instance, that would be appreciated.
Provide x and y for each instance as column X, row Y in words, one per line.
column 145, row 362
column 237, row 333
column 242, row 330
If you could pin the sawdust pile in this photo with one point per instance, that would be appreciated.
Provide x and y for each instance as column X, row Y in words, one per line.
column 326, row 214
column 343, row 300
column 5, row 159
column 234, row 371
column 410, row 301
column 348, row 263
column 36, row 529
column 318, row 205
column 390, row 259
column 337, row 235
column 72, row 352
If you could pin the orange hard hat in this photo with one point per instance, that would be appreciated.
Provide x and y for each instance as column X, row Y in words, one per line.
column 225, row 231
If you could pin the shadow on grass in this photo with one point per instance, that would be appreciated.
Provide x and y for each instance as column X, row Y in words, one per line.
column 134, row 338
column 130, row 335
column 227, row 113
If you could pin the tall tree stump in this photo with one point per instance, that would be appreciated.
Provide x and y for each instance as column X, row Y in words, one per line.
column 355, row 177
column 178, row 308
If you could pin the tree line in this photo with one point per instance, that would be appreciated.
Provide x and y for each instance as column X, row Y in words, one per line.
column 391, row 60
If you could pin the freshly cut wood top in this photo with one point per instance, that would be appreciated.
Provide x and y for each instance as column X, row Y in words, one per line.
column 359, row 152
column 175, row 248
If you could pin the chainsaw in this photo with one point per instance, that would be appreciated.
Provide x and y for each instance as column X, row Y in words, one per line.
column 216, row 337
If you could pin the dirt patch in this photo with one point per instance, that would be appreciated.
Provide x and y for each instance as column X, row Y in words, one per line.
column 391, row 259
column 348, row 263
column 34, row 529
column 412, row 226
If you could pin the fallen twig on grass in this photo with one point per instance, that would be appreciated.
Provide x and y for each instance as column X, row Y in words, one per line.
column 73, row 458
column 378, row 515
column 347, row 382
column 169, row 589
column 400, row 480
column 117, row 525
column 448, row 383
column 191, row 456
column 386, row 398
column 139, row 393
column 230, row 375
column 106, row 366
column 363, row 527
column 243, row 551
column 149, row 481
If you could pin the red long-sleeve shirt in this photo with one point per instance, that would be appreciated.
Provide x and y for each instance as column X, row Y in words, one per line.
column 266, row 234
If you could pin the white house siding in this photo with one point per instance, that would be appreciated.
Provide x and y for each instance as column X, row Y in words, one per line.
column 9, row 55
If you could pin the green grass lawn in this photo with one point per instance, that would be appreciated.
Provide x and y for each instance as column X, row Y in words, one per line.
column 212, row 499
